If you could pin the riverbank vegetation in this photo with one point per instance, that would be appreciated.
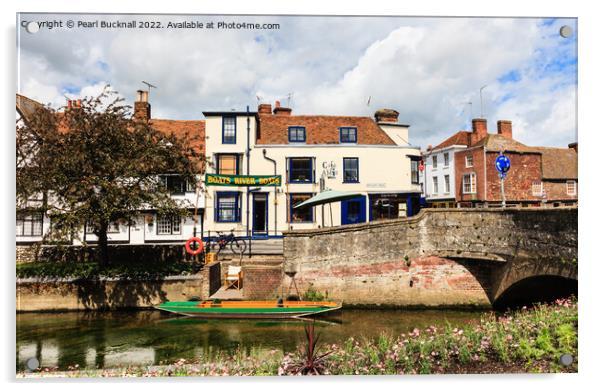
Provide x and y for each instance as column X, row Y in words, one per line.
column 522, row 341
column 93, row 269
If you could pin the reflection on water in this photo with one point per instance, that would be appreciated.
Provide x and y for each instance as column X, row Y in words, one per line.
column 104, row 340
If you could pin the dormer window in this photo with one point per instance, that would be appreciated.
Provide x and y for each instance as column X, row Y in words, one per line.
column 296, row 134
column 348, row 135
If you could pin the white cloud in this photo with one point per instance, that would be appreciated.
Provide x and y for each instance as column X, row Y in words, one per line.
column 426, row 68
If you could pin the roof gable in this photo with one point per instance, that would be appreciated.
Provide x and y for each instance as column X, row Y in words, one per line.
column 460, row 138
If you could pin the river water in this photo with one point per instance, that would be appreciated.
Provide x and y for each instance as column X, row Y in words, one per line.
column 117, row 339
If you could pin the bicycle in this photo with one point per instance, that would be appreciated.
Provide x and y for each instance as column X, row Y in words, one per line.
column 237, row 245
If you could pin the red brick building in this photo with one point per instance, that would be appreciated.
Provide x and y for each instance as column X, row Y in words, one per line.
column 538, row 175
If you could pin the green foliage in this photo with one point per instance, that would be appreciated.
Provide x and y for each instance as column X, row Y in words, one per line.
column 566, row 337
column 95, row 165
column 137, row 270
column 311, row 294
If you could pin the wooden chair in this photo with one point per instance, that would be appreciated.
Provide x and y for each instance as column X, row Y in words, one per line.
column 234, row 277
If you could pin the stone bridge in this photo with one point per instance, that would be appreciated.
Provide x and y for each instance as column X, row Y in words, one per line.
column 441, row 257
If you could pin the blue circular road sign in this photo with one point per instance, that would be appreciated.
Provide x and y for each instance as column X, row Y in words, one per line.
column 502, row 164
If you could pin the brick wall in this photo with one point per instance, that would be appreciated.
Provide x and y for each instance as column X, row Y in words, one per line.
column 525, row 169
column 262, row 281
column 518, row 186
column 461, row 170
column 557, row 191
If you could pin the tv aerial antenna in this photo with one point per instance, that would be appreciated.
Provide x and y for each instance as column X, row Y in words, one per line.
column 289, row 98
column 149, row 86
column 470, row 104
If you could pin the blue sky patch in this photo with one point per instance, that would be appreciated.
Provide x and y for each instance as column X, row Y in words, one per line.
column 102, row 65
column 71, row 89
column 511, row 77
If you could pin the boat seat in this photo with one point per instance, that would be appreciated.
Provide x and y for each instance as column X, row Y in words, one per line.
column 234, row 277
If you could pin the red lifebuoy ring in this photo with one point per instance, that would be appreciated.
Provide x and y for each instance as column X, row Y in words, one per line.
column 199, row 248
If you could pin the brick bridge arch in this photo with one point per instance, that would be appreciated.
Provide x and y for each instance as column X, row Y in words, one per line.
column 439, row 257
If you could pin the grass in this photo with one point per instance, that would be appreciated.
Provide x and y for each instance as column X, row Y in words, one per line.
column 85, row 270
column 527, row 340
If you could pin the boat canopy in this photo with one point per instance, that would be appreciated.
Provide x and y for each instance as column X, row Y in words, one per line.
column 327, row 197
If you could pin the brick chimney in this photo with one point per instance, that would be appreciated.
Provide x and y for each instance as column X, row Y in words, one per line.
column 386, row 115
column 479, row 130
column 74, row 104
column 573, row 146
column 142, row 109
column 281, row 110
column 264, row 108
column 504, row 128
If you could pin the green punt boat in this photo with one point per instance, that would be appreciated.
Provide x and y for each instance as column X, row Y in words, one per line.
column 249, row 309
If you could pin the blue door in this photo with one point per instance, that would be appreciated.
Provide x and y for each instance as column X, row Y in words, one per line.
column 353, row 211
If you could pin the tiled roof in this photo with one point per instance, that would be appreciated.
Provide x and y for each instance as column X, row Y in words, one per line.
column 195, row 130
column 558, row 163
column 497, row 142
column 319, row 129
column 460, row 138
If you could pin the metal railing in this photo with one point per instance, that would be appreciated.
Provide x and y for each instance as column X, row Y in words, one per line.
column 237, row 242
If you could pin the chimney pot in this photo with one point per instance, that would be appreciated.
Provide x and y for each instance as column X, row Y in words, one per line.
column 278, row 110
column 504, row 128
column 386, row 115
column 141, row 96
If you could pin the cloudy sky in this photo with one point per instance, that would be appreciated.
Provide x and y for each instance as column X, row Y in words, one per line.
column 428, row 69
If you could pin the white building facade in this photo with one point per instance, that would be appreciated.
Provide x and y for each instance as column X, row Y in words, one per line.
column 437, row 177
column 310, row 153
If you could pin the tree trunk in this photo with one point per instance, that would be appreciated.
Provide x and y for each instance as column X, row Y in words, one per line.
column 103, row 246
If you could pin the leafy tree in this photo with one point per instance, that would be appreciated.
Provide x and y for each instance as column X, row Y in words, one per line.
column 95, row 165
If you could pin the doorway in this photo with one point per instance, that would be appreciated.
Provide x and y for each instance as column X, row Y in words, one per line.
column 260, row 214
column 353, row 211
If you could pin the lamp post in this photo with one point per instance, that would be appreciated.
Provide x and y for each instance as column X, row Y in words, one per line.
column 481, row 95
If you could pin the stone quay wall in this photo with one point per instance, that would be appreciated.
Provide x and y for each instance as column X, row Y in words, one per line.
column 113, row 293
column 441, row 257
